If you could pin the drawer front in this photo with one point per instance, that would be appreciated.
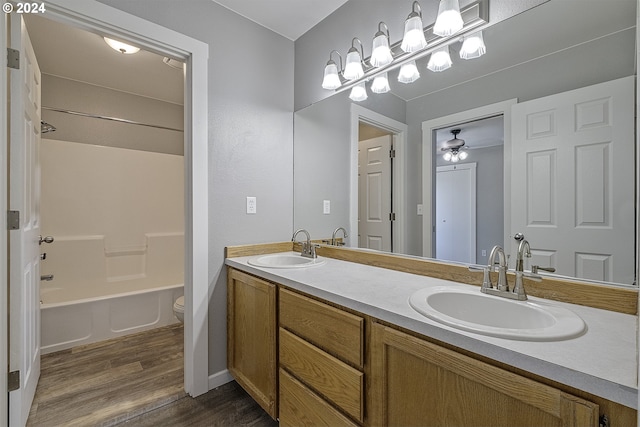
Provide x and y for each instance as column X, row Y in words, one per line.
column 301, row 407
column 323, row 373
column 336, row 331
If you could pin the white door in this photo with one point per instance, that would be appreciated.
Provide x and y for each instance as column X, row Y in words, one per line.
column 374, row 193
column 572, row 163
column 24, row 196
column 456, row 213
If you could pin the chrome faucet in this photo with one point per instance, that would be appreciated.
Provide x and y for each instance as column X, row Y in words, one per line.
column 308, row 249
column 502, row 284
column 524, row 250
column 334, row 242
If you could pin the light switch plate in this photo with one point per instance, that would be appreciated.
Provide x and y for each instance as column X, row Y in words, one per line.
column 251, row 205
column 326, row 207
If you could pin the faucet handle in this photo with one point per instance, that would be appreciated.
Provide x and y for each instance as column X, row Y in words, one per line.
column 535, row 268
column 486, row 278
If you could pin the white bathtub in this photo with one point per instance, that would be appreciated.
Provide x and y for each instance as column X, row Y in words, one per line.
column 85, row 321
column 101, row 292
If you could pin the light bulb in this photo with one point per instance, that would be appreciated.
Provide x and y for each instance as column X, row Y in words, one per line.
column 381, row 54
column 380, row 84
column 449, row 20
column 331, row 79
column 473, row 46
column 440, row 60
column 353, row 70
column 358, row 93
column 463, row 155
column 455, row 157
column 408, row 73
column 447, row 156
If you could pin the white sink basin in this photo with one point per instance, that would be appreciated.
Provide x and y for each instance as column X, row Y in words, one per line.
column 285, row 261
column 473, row 311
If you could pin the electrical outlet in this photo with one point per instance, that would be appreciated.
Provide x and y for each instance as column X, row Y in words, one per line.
column 251, row 205
column 484, row 252
column 326, row 207
column 419, row 209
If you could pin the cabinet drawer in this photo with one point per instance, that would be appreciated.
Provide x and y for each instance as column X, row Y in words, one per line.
column 301, row 407
column 323, row 373
column 336, row 331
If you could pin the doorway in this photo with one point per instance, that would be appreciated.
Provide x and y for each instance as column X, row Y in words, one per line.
column 97, row 17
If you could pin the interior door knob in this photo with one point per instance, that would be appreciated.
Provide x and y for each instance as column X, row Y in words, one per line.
column 43, row 256
column 46, row 277
column 47, row 239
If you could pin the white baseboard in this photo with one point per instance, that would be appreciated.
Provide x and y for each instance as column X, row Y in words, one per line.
column 219, row 378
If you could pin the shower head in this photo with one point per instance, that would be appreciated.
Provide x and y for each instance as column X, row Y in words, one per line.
column 46, row 127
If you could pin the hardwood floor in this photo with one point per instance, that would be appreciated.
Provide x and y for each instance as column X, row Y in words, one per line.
column 133, row 380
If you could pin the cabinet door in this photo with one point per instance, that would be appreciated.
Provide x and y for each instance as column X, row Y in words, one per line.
column 418, row 383
column 251, row 336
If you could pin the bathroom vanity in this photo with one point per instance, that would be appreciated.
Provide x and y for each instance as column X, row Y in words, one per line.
column 338, row 344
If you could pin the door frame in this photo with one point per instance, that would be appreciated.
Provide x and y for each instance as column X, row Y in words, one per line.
column 399, row 131
column 4, row 259
column 429, row 128
column 99, row 18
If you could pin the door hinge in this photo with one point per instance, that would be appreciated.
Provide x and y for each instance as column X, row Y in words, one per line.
column 392, row 216
column 604, row 421
column 13, row 381
column 13, row 220
column 13, row 58
column 392, row 153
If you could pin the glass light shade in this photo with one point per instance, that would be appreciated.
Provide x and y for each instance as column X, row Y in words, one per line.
column 463, row 155
column 408, row 73
column 413, row 39
column 381, row 53
column 473, row 46
column 447, row 156
column 353, row 70
column 380, row 84
column 440, row 60
column 331, row 79
column 455, row 157
column 121, row 47
column 449, row 20
column 358, row 93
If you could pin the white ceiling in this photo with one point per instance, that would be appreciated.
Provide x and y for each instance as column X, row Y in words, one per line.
column 289, row 18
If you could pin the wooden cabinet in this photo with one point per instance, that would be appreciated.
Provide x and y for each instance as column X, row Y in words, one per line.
column 251, row 337
column 418, row 383
column 322, row 359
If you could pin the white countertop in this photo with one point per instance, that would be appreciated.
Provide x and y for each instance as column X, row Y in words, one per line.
column 603, row 361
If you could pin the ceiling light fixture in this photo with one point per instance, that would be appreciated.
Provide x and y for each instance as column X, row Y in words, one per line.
column 404, row 53
column 121, row 47
column 358, row 93
column 454, row 148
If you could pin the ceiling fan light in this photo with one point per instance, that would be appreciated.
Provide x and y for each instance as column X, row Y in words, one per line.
column 121, row 47
column 408, row 73
column 440, row 60
column 449, row 20
column 331, row 79
column 358, row 93
column 473, row 46
column 455, row 157
column 447, row 156
column 463, row 155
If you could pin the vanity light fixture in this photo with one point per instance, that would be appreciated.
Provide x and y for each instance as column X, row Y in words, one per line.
column 353, row 69
column 381, row 53
column 408, row 73
column 121, row 47
column 358, row 93
column 473, row 46
column 413, row 39
column 417, row 43
column 331, row 78
column 454, row 148
column 380, row 84
column 449, row 19
column 440, row 60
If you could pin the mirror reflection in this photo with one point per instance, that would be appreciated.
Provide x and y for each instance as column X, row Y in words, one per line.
column 531, row 58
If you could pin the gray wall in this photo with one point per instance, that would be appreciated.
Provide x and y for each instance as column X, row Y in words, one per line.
column 250, row 134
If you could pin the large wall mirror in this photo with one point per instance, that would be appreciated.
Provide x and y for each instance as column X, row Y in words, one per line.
column 554, row 48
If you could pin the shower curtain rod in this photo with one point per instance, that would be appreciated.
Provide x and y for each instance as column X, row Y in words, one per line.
column 113, row 119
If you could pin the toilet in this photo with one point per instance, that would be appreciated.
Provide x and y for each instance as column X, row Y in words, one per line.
column 178, row 309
